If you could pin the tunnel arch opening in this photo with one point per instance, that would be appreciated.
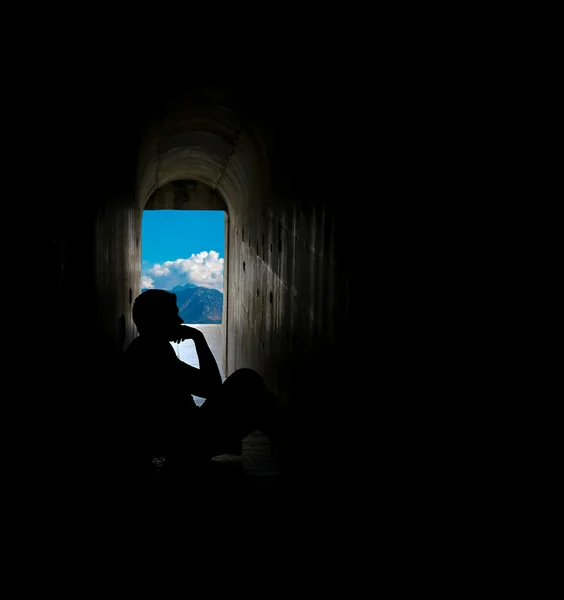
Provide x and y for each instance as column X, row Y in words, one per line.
column 193, row 196
column 205, row 156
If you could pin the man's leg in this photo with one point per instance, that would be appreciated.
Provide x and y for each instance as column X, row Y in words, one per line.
column 240, row 406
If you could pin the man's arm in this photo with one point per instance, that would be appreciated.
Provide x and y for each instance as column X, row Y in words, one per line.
column 210, row 377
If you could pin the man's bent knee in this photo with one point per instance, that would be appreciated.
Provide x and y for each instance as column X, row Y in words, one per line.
column 246, row 376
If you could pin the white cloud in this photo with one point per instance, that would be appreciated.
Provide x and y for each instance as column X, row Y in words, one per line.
column 204, row 269
column 160, row 270
column 147, row 282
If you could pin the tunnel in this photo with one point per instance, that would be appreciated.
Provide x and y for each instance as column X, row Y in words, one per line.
column 360, row 166
column 288, row 297
column 333, row 242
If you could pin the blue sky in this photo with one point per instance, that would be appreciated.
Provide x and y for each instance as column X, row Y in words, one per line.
column 182, row 246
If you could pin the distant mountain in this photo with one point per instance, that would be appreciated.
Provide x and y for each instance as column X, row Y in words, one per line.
column 178, row 288
column 198, row 305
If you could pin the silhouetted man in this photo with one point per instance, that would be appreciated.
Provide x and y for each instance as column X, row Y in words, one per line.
column 162, row 419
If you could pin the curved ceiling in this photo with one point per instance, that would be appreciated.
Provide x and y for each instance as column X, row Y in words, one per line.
column 206, row 143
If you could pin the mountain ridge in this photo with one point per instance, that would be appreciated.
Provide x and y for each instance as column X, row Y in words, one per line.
column 197, row 305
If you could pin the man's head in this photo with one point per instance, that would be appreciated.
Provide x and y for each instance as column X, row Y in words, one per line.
column 155, row 313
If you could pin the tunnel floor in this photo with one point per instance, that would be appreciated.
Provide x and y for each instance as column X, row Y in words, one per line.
column 253, row 472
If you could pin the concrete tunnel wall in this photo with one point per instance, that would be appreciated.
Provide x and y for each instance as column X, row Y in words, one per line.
column 117, row 268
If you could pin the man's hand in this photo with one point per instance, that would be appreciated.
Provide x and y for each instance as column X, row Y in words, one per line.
column 187, row 333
